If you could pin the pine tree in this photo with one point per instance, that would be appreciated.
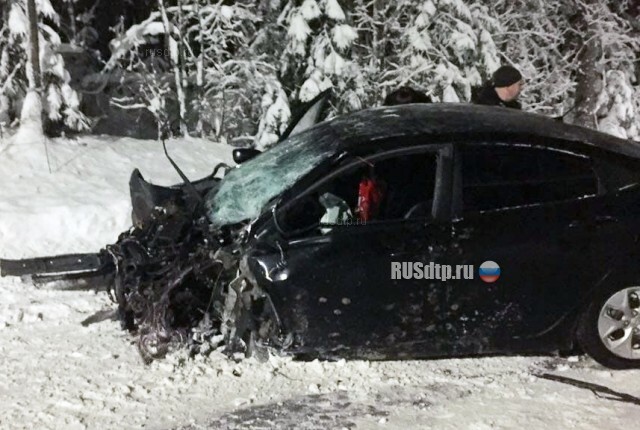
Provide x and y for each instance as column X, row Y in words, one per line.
column 534, row 38
column 246, row 63
column 604, row 91
column 231, row 75
column 318, row 55
column 380, row 28
column 448, row 48
column 570, row 53
column 219, row 79
column 268, row 44
column 59, row 101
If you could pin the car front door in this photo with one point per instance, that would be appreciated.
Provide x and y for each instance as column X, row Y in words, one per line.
column 333, row 287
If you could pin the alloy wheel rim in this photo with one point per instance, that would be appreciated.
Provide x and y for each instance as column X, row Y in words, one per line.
column 619, row 323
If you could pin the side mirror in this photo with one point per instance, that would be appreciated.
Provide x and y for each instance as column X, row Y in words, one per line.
column 241, row 155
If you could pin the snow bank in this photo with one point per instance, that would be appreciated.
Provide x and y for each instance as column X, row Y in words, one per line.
column 83, row 204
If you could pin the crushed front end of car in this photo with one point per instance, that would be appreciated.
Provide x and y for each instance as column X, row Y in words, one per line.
column 169, row 278
column 177, row 280
column 181, row 281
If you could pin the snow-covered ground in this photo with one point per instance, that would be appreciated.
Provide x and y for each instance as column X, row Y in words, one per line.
column 57, row 374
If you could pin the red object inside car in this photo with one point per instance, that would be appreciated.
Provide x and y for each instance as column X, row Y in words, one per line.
column 370, row 195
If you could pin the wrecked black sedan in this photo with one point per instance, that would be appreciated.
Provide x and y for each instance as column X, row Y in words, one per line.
column 325, row 245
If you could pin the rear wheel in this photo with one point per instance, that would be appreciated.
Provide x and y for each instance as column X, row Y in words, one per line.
column 609, row 328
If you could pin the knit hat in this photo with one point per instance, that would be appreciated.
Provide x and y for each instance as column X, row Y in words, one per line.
column 505, row 76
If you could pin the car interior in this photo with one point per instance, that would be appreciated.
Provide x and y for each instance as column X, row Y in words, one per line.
column 395, row 188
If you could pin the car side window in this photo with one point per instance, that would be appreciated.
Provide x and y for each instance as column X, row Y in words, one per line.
column 399, row 187
column 504, row 176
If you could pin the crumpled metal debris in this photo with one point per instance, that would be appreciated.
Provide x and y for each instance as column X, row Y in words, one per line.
column 172, row 280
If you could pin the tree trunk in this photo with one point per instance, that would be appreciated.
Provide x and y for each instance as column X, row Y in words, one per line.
column 34, row 75
column 31, row 114
column 30, row 131
column 589, row 85
column 174, row 49
column 71, row 11
column 589, row 76
column 200, row 71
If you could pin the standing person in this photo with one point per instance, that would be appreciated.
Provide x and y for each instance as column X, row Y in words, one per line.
column 503, row 89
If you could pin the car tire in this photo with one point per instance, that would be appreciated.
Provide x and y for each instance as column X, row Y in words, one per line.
column 608, row 329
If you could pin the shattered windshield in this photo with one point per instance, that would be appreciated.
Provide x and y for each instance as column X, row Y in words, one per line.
column 245, row 191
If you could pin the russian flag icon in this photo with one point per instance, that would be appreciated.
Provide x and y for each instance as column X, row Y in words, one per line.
column 489, row 271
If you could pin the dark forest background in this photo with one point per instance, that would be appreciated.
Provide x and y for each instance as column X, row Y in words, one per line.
column 235, row 70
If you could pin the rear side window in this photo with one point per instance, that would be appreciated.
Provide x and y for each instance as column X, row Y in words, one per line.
column 501, row 176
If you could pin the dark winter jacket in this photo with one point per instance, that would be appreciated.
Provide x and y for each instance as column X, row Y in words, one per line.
column 487, row 96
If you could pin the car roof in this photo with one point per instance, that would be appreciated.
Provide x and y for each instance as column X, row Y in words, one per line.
column 464, row 120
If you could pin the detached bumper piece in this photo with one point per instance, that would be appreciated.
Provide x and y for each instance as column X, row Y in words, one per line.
column 56, row 266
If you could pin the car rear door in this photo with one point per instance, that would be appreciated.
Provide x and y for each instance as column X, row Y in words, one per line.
column 537, row 212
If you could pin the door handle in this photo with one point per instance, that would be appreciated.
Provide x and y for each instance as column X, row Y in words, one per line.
column 597, row 221
column 400, row 254
column 605, row 219
column 576, row 223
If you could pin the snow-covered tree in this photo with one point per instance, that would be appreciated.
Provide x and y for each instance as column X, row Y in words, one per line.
column 230, row 77
column 244, row 66
column 318, row 54
column 268, row 44
column 533, row 36
column 606, row 60
column 59, row 101
column 618, row 109
column 380, row 26
column 218, row 80
column 144, row 75
column 448, row 48
column 275, row 119
column 570, row 53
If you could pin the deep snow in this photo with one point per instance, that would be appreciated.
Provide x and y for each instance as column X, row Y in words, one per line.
column 57, row 374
